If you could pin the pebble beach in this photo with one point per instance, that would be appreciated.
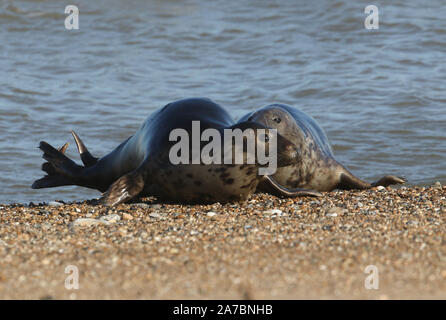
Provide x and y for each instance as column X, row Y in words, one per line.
column 264, row 248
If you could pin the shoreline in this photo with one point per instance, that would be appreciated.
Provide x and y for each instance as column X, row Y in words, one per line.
column 264, row 248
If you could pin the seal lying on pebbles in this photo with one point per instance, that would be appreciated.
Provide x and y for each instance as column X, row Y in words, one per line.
column 318, row 169
column 141, row 165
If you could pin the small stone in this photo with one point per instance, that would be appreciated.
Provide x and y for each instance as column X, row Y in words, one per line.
column 55, row 204
column 127, row 216
column 46, row 226
column 178, row 215
column 122, row 231
column 211, row 214
column 88, row 222
column 142, row 205
column 437, row 185
column 335, row 211
column 155, row 215
column 273, row 211
column 380, row 188
column 112, row 218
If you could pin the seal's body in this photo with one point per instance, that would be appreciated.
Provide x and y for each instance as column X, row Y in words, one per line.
column 141, row 165
column 318, row 169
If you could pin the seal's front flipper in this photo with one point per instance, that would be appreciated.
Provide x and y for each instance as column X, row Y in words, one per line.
column 125, row 188
column 348, row 181
column 276, row 189
column 388, row 180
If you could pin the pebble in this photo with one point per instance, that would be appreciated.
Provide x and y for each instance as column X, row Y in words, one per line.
column 273, row 211
column 46, row 226
column 142, row 205
column 211, row 214
column 88, row 222
column 437, row 185
column 380, row 188
column 111, row 218
column 335, row 211
column 55, row 204
column 155, row 215
column 127, row 216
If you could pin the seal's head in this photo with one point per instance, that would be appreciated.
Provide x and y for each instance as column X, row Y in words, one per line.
column 270, row 143
column 275, row 116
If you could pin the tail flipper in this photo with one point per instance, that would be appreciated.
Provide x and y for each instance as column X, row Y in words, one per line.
column 61, row 170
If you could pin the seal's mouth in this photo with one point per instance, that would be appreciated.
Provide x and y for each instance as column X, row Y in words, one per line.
column 288, row 154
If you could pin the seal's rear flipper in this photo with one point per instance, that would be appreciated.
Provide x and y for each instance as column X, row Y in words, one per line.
column 276, row 189
column 388, row 180
column 87, row 159
column 125, row 188
column 50, row 182
column 61, row 170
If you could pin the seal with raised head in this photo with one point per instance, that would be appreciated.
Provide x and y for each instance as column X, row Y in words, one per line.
column 141, row 165
column 318, row 168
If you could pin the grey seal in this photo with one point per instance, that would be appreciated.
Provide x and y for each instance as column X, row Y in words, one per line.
column 318, row 168
column 140, row 165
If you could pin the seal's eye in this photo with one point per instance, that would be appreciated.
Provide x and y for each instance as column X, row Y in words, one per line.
column 277, row 119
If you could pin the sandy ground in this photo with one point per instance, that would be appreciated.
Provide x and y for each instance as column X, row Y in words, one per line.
column 265, row 248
